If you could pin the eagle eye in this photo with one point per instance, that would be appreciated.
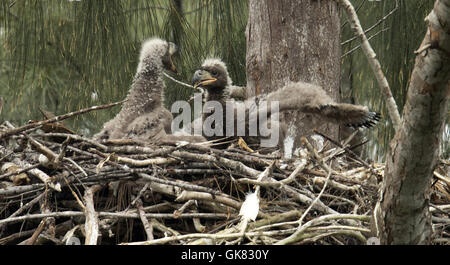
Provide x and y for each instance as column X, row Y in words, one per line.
column 214, row 73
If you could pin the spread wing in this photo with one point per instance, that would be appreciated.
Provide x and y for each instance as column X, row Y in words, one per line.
column 309, row 98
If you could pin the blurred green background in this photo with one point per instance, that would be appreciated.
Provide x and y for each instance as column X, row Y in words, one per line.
column 68, row 55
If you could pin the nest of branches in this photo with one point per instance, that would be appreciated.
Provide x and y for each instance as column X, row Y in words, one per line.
column 62, row 188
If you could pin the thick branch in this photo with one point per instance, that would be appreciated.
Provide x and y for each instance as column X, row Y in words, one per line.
column 91, row 224
column 401, row 214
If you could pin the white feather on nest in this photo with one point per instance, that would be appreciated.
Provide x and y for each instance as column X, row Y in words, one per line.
column 250, row 207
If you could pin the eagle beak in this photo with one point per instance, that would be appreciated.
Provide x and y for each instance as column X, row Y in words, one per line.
column 173, row 68
column 173, row 49
column 202, row 78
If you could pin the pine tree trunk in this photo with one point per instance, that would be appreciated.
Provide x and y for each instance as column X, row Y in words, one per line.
column 294, row 41
column 401, row 214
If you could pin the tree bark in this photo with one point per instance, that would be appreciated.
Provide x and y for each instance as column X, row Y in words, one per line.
column 401, row 214
column 294, row 41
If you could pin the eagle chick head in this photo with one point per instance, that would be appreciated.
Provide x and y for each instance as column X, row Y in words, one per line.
column 213, row 75
column 156, row 54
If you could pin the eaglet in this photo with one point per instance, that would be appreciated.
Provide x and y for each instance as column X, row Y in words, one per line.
column 298, row 96
column 143, row 115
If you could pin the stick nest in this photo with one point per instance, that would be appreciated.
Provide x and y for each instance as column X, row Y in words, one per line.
column 61, row 188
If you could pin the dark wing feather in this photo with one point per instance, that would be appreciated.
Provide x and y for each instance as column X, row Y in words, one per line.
column 349, row 115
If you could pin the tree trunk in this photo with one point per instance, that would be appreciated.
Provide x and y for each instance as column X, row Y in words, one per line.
column 401, row 214
column 294, row 41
